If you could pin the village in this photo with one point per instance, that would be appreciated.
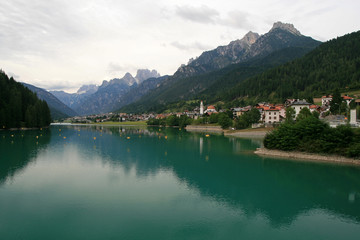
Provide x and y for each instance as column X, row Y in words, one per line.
column 270, row 114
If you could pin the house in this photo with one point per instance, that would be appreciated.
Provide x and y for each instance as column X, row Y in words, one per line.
column 325, row 100
column 314, row 107
column 237, row 112
column 210, row 109
column 272, row 114
column 298, row 105
column 347, row 99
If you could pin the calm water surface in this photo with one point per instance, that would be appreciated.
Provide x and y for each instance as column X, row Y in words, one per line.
column 126, row 183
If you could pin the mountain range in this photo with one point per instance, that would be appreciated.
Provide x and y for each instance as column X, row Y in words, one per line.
column 240, row 59
column 92, row 99
column 278, row 64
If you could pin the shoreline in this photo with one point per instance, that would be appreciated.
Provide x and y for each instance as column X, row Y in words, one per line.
column 202, row 128
column 307, row 157
column 247, row 133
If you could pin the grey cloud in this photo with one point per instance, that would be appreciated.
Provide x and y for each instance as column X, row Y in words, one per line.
column 206, row 15
column 116, row 69
column 191, row 46
column 202, row 14
column 35, row 27
column 237, row 19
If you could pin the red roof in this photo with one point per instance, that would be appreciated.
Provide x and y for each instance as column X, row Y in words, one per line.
column 211, row 107
column 271, row 108
column 313, row 106
column 329, row 96
column 347, row 98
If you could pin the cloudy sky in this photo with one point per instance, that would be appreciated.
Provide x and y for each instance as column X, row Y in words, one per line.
column 62, row 44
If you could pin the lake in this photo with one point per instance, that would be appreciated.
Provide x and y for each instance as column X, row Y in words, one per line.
column 93, row 182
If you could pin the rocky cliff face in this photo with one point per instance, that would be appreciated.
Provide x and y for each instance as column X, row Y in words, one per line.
column 281, row 35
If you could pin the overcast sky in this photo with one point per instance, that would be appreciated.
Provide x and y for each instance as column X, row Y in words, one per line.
column 63, row 44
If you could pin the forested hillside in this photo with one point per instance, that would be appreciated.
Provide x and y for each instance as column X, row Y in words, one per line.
column 333, row 65
column 19, row 107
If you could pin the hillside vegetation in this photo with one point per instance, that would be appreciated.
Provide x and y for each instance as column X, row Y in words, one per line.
column 19, row 107
column 333, row 65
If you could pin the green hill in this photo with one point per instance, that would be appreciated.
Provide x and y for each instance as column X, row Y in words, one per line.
column 333, row 65
column 19, row 107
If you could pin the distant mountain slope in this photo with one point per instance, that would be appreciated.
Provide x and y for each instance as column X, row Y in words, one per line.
column 57, row 108
column 72, row 100
column 110, row 95
column 140, row 90
column 256, row 54
column 334, row 64
column 20, row 107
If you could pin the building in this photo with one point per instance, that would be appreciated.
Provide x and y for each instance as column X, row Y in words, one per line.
column 347, row 99
column 325, row 100
column 210, row 109
column 201, row 108
column 298, row 105
column 272, row 114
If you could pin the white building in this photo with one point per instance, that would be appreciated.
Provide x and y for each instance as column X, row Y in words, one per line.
column 201, row 108
column 272, row 114
column 298, row 105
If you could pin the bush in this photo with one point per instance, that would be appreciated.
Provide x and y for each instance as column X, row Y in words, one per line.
column 224, row 120
column 310, row 134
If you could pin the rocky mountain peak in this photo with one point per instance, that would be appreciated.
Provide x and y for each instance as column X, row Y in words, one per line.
column 128, row 79
column 87, row 89
column 144, row 74
column 250, row 38
column 287, row 27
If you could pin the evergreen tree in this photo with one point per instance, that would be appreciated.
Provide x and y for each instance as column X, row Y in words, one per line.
column 335, row 104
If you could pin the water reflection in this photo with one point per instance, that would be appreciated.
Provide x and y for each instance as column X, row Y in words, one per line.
column 226, row 170
column 18, row 149
column 219, row 168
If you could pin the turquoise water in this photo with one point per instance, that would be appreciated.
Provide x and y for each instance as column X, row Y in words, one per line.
column 130, row 183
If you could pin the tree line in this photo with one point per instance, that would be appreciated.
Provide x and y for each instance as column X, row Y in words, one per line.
column 20, row 107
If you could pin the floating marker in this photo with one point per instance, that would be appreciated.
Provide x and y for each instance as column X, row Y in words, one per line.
column 59, row 130
column 207, row 135
column 64, row 137
column 165, row 137
column 94, row 138
column 12, row 135
column 128, row 138
column 37, row 137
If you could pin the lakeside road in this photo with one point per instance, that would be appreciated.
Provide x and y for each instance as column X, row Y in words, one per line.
column 303, row 156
